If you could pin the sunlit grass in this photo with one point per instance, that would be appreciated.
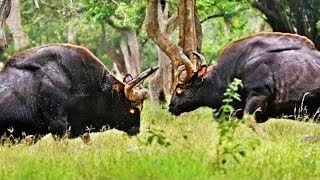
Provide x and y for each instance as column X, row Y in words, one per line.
column 285, row 153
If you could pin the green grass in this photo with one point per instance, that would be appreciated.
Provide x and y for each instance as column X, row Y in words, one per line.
column 284, row 154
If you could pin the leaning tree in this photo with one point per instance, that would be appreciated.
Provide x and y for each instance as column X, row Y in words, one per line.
column 183, row 54
column 160, row 84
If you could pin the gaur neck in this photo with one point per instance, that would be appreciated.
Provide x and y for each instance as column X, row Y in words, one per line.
column 213, row 91
column 215, row 85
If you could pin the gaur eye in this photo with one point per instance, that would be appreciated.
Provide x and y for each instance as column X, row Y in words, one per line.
column 132, row 110
column 179, row 90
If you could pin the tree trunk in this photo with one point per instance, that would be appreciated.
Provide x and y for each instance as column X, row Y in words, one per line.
column 126, row 57
column 114, row 53
column 1, row 65
column 130, row 51
column 160, row 85
column 292, row 16
column 118, row 61
column 275, row 14
column 227, row 28
column 5, row 7
column 188, row 30
column 153, row 29
column 190, row 37
column 190, row 34
column 198, row 27
column 134, row 54
column 71, row 32
column 13, row 21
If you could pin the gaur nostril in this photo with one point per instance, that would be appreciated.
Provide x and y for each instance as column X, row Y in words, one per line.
column 133, row 130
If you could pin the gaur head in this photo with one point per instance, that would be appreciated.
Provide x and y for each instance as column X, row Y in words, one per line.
column 128, row 97
column 189, row 91
column 188, row 95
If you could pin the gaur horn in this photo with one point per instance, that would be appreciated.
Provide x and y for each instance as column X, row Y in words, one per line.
column 201, row 57
column 141, row 94
column 189, row 67
column 186, row 72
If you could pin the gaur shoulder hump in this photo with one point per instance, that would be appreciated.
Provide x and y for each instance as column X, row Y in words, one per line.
column 304, row 40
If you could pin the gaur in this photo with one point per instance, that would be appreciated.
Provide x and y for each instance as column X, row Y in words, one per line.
column 62, row 87
column 280, row 73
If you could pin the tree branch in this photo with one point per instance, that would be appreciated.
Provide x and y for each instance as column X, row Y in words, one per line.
column 154, row 32
column 172, row 23
column 222, row 14
column 113, row 25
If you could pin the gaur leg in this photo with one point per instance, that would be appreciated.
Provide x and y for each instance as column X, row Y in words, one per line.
column 255, row 105
column 54, row 113
column 54, row 110
column 58, row 127
column 56, row 118
column 54, row 95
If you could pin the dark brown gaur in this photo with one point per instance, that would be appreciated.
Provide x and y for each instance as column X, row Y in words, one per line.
column 278, row 72
column 56, row 88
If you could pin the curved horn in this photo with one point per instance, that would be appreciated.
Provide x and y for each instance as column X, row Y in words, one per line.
column 201, row 57
column 188, row 65
column 128, row 88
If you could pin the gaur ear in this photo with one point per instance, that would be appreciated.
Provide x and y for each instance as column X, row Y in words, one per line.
column 202, row 71
column 127, row 78
column 117, row 86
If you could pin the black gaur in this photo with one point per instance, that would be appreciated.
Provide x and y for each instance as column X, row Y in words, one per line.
column 55, row 88
column 280, row 73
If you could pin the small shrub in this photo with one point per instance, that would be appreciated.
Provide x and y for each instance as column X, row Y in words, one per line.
column 228, row 150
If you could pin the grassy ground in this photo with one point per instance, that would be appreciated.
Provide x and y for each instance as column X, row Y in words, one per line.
column 188, row 151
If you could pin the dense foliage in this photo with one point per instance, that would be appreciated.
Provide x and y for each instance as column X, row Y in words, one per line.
column 84, row 22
